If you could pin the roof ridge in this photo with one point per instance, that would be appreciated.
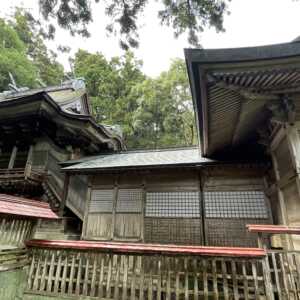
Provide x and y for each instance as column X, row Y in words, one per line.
column 155, row 150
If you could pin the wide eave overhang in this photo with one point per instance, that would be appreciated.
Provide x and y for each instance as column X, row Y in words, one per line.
column 22, row 116
column 234, row 91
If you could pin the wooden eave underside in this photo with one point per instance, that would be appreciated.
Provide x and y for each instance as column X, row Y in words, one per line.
column 30, row 114
column 231, row 89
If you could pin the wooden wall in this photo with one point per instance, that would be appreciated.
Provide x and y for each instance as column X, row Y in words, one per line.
column 285, row 150
column 180, row 206
column 15, row 230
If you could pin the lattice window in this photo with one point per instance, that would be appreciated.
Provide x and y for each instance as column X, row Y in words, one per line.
column 237, row 204
column 102, row 201
column 129, row 200
column 173, row 204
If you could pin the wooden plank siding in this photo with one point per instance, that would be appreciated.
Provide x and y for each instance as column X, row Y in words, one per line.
column 173, row 206
column 14, row 231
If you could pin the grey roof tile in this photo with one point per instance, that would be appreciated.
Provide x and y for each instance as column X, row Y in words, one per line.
column 187, row 156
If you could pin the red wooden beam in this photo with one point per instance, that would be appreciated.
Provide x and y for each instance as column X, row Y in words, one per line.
column 273, row 229
column 139, row 248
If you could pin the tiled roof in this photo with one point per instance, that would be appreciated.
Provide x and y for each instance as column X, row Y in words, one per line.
column 131, row 159
column 19, row 206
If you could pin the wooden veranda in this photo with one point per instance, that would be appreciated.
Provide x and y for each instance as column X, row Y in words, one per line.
column 102, row 270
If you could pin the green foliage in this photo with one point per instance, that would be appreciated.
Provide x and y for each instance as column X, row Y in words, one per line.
column 153, row 113
column 109, row 84
column 24, row 54
column 165, row 116
column 13, row 59
column 29, row 30
column 190, row 16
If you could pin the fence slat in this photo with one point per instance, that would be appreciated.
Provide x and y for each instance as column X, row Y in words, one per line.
column 67, row 272
column 225, row 282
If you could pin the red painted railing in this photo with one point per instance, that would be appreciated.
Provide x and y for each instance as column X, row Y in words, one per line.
column 273, row 229
column 139, row 248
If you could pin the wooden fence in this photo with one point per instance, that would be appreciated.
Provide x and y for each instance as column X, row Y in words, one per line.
column 139, row 271
column 284, row 268
column 17, row 174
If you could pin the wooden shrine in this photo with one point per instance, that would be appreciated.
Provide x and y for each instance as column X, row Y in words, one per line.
column 217, row 221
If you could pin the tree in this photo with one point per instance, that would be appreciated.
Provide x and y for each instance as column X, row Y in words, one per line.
column 13, row 59
column 165, row 117
column 153, row 113
column 109, row 84
column 190, row 16
column 29, row 30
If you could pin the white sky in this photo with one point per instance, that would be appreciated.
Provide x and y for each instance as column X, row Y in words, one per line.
column 251, row 23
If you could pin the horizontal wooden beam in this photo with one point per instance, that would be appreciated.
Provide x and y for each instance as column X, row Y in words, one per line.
column 139, row 248
column 273, row 229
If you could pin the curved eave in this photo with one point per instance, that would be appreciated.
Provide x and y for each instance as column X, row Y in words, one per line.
column 100, row 132
column 201, row 61
column 243, row 54
column 119, row 144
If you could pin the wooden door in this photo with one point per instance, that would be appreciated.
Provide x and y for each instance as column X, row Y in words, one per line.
column 100, row 216
column 128, row 214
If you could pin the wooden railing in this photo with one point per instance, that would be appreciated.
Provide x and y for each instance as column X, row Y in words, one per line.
column 143, row 271
column 20, row 174
column 284, row 268
column 282, row 265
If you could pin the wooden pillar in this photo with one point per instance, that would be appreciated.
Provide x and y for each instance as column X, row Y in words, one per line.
column 86, row 211
column 29, row 162
column 64, row 195
column 287, row 240
column 12, row 157
column 201, row 177
column 143, row 212
column 115, row 199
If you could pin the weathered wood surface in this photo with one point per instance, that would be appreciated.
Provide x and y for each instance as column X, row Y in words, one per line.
column 139, row 248
column 284, row 270
column 159, row 274
column 12, row 258
column 15, row 231
column 185, row 207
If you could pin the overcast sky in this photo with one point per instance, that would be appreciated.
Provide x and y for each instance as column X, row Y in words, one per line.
column 251, row 23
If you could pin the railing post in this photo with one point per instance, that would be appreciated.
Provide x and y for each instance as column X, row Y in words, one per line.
column 267, row 278
column 28, row 162
column 12, row 157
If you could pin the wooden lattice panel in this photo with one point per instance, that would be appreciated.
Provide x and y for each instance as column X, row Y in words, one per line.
column 235, row 204
column 173, row 204
column 101, row 201
column 231, row 232
column 129, row 201
column 228, row 212
column 173, row 231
